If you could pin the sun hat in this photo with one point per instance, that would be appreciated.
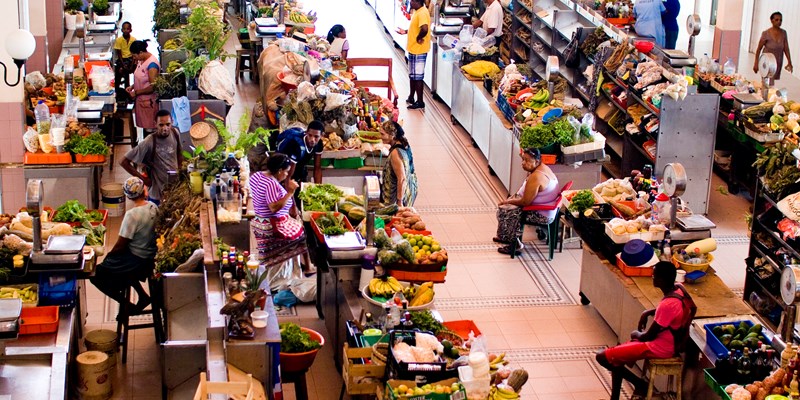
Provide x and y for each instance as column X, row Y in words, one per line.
column 638, row 253
column 133, row 187
column 204, row 134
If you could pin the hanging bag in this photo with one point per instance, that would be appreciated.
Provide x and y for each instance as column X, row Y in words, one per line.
column 572, row 57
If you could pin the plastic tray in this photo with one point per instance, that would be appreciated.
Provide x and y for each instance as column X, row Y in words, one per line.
column 716, row 346
column 319, row 234
column 34, row 287
column 91, row 158
column 764, row 137
column 463, row 328
column 633, row 271
column 598, row 144
column 649, row 236
column 34, row 320
column 349, row 163
column 47, row 158
column 593, row 155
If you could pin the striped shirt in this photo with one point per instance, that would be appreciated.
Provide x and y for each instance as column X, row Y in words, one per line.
column 265, row 191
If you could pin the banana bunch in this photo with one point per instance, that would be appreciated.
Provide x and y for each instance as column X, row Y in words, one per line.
column 538, row 101
column 298, row 17
column 424, row 295
column 501, row 392
column 498, row 362
column 410, row 292
column 384, row 287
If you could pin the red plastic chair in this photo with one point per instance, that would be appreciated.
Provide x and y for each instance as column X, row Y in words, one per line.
column 552, row 228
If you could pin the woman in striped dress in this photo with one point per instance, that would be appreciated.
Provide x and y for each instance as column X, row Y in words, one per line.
column 275, row 225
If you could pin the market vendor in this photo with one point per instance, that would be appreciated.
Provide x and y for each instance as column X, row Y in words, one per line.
column 131, row 258
column 492, row 20
column 337, row 37
column 125, row 64
column 142, row 92
column 157, row 154
column 300, row 146
column 540, row 187
column 648, row 20
column 662, row 340
column 399, row 179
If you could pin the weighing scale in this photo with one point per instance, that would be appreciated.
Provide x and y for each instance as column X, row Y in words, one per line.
column 790, row 294
column 767, row 67
column 550, row 74
column 63, row 253
column 674, row 185
column 693, row 27
column 372, row 201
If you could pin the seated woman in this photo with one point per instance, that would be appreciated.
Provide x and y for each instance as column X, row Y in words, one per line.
column 540, row 187
column 131, row 259
column 275, row 225
column 399, row 179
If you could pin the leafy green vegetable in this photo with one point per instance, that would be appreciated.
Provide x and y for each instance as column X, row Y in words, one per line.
column 320, row 197
column 563, row 132
column 536, row 136
column 74, row 211
column 424, row 320
column 94, row 234
column 92, row 144
column 331, row 224
column 294, row 340
column 581, row 201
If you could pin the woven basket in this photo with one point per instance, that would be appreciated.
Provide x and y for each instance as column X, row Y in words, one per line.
column 454, row 338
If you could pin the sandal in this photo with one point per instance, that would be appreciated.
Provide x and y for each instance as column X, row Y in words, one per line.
column 507, row 250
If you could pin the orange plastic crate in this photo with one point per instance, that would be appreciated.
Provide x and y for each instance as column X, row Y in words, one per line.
column 35, row 320
column 47, row 158
column 317, row 231
column 90, row 158
column 417, row 276
column 633, row 271
column 462, row 328
column 549, row 159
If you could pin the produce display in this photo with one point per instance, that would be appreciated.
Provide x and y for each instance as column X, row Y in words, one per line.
column 331, row 224
column 407, row 218
column 295, row 340
column 426, row 249
column 28, row 294
column 74, row 211
column 621, row 226
column 403, row 391
column 177, row 225
column 615, row 190
column 95, row 236
column 737, row 337
column 581, row 200
column 777, row 167
column 322, row 197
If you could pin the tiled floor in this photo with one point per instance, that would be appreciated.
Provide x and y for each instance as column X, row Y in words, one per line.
column 526, row 307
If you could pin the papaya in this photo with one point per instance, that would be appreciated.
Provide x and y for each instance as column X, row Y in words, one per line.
column 755, row 329
column 388, row 210
column 718, row 331
column 357, row 200
column 346, row 207
column 726, row 340
column 357, row 213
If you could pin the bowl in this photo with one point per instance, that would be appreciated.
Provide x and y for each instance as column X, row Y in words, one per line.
column 377, row 306
column 259, row 318
column 299, row 362
column 552, row 114
column 644, row 46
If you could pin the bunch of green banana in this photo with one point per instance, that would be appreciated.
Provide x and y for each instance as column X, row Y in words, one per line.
column 538, row 101
column 298, row 17
column 423, row 296
column 501, row 392
column 384, row 287
column 410, row 291
column 27, row 294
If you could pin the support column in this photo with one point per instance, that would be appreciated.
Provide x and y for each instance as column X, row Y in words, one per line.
column 728, row 31
column 12, row 114
column 37, row 15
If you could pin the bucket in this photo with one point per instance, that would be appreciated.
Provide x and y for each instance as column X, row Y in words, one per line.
column 103, row 340
column 94, row 376
column 113, row 199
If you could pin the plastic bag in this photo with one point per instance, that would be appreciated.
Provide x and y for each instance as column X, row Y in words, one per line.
column 31, row 140
column 335, row 100
column 102, row 78
column 284, row 298
column 305, row 91
column 193, row 263
column 479, row 33
column 305, row 289
column 280, row 277
column 216, row 81
column 36, row 79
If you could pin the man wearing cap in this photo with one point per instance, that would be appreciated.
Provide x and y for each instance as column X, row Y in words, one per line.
column 658, row 341
column 131, row 259
column 301, row 146
column 157, row 154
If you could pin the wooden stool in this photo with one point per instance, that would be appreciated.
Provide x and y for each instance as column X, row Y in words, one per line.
column 671, row 367
column 299, row 381
column 242, row 56
column 124, row 314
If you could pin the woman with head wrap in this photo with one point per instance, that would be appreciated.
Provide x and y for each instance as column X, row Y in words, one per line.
column 399, row 179
column 131, row 259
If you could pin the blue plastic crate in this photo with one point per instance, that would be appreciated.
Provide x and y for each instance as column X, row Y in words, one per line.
column 502, row 103
column 717, row 347
column 58, row 290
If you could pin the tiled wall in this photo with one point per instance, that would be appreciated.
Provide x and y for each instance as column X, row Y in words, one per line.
column 38, row 61
column 55, row 29
column 12, row 123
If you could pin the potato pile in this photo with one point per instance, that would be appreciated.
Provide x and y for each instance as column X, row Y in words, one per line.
column 406, row 218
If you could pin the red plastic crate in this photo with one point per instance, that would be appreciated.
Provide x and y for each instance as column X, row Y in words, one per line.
column 633, row 271
column 319, row 234
column 90, row 158
column 417, row 276
column 35, row 320
column 47, row 158
column 462, row 328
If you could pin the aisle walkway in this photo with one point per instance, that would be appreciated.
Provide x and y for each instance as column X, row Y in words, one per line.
column 526, row 307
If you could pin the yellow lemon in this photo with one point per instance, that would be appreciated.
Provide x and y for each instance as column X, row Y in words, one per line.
column 436, row 247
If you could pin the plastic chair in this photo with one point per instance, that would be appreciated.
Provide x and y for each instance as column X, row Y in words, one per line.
column 672, row 368
column 123, row 316
column 552, row 228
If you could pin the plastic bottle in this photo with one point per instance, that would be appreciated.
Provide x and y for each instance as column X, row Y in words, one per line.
column 232, row 165
column 729, row 68
column 704, row 63
column 42, row 113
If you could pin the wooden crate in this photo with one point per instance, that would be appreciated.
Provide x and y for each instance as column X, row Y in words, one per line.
column 362, row 379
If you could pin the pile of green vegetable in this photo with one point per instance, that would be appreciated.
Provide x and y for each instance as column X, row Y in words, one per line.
column 542, row 135
column 294, row 340
column 582, row 200
column 85, row 145
column 331, row 224
column 778, row 167
column 424, row 320
column 320, row 197
column 74, row 211
column 94, row 234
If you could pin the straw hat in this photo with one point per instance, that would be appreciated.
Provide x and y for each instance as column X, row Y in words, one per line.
column 204, row 134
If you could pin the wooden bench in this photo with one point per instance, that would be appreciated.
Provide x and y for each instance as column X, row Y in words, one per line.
column 388, row 84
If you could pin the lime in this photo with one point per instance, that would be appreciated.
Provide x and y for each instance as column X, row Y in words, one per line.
column 426, row 247
column 436, row 247
column 412, row 242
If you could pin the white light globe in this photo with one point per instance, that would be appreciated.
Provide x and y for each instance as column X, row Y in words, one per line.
column 20, row 44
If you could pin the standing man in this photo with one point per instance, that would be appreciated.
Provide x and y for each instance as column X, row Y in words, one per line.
column 492, row 20
column 125, row 63
column 300, row 147
column 419, row 44
column 157, row 154
column 670, row 20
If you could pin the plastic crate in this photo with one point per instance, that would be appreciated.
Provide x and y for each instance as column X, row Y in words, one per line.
column 463, row 328
column 599, row 143
column 58, row 290
column 314, row 215
column 716, row 346
column 633, row 271
column 348, row 163
column 90, row 158
column 712, row 383
column 593, row 155
column 432, row 371
column 505, row 108
column 417, row 276
column 35, row 320
column 393, row 383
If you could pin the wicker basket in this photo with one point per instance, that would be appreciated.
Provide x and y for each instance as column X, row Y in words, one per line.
column 380, row 351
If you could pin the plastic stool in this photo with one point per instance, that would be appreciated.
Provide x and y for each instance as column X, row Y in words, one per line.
column 671, row 367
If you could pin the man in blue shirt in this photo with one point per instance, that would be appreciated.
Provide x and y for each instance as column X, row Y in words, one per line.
column 670, row 20
column 301, row 147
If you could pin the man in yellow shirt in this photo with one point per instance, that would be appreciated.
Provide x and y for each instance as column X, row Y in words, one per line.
column 419, row 43
column 125, row 64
